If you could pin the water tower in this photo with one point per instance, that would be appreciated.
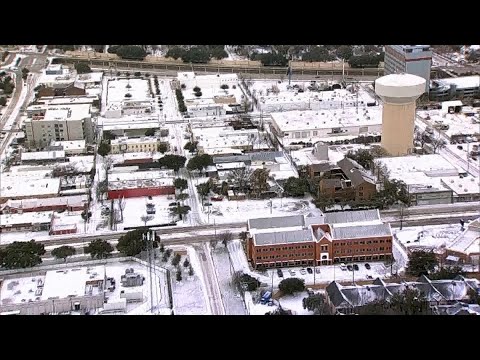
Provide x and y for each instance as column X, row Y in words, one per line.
column 399, row 93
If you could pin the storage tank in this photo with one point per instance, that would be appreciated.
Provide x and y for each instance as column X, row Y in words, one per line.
column 399, row 93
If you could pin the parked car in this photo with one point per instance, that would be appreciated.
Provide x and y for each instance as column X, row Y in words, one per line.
column 150, row 198
column 343, row 266
column 355, row 266
column 292, row 272
column 309, row 270
column 303, row 271
column 459, row 147
column 317, row 270
column 367, row 266
column 280, row 273
column 350, row 267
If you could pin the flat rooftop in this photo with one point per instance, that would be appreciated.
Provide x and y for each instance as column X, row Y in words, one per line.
column 55, row 201
column 43, row 155
column 43, row 217
column 462, row 186
column 73, row 282
column 284, row 237
column 141, row 140
column 90, row 77
column 12, row 187
column 354, row 232
column 140, row 175
column 352, row 217
column 117, row 89
column 275, row 222
column 67, row 112
column 70, row 145
column 325, row 119
column 64, row 100
column 431, row 165
column 462, row 82
column 467, row 242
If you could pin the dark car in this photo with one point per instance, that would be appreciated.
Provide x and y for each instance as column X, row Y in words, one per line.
column 367, row 266
column 279, row 272
column 355, row 266
column 350, row 267
column 460, row 147
column 309, row 270
column 149, row 198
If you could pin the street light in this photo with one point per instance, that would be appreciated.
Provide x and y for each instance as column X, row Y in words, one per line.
column 401, row 213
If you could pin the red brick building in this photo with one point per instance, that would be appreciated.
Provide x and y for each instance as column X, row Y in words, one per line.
column 68, row 203
column 343, row 237
column 139, row 184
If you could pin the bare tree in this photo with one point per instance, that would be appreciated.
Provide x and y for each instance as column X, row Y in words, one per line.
column 146, row 218
column 226, row 236
column 241, row 177
column 213, row 243
column 438, row 143
column 246, row 104
column 107, row 164
column 121, row 207
column 421, row 137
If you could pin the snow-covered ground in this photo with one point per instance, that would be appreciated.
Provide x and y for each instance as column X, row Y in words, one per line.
column 227, row 211
column 232, row 299
column 430, row 237
column 288, row 302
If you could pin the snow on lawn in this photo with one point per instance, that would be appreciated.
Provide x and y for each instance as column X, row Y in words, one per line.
column 433, row 236
column 232, row 299
column 228, row 211
column 189, row 295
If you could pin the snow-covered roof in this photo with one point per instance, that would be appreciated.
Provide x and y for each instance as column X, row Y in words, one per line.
column 55, row 201
column 276, row 222
column 141, row 175
column 283, row 237
column 325, row 119
column 43, row 155
column 12, row 187
column 70, row 145
column 462, row 82
column 72, row 282
column 90, row 77
column 360, row 231
column 357, row 216
column 141, row 140
column 8, row 220
column 462, row 186
column 117, row 89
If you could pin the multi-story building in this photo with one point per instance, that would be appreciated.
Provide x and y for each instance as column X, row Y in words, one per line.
column 126, row 145
column 410, row 59
column 59, row 123
column 455, row 88
column 297, row 241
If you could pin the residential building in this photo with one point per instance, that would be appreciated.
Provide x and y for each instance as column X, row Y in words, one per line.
column 364, row 185
column 410, row 59
column 337, row 237
column 126, row 145
column 60, row 123
column 466, row 247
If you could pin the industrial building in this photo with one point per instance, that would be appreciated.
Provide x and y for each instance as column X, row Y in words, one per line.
column 454, row 88
column 138, row 184
column 42, row 157
column 57, row 76
column 410, row 59
column 59, row 123
column 125, row 145
column 308, row 127
column 76, row 147
column 30, row 221
column 399, row 93
column 191, row 80
column 337, row 237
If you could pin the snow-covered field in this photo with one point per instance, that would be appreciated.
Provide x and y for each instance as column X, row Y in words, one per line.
column 228, row 211
column 232, row 299
column 429, row 237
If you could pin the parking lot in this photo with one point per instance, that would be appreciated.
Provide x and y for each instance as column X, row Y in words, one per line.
column 328, row 273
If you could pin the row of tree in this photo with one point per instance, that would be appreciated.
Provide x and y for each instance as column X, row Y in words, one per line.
column 200, row 54
column 181, row 101
column 6, row 84
column 130, row 52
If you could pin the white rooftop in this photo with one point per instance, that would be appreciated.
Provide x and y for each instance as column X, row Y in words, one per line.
column 12, row 187
column 70, row 145
column 117, row 89
column 400, row 80
column 141, row 175
column 90, row 77
column 43, row 155
column 462, row 82
column 324, row 119
column 462, row 186
column 67, row 112
column 431, row 165
column 126, row 140
column 26, row 218
column 71, row 282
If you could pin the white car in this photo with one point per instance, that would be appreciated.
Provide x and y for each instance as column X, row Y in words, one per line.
column 292, row 272
column 303, row 271
column 343, row 266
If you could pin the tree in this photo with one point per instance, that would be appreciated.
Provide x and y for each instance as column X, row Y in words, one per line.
column 317, row 53
column 291, row 285
column 226, row 236
column 213, row 243
column 245, row 281
column 108, row 135
column 162, row 147
column 199, row 162
column 182, row 197
column 421, row 262
column 198, row 94
column 344, row 52
column 145, row 219
column 296, row 186
column 104, row 149
column 191, row 146
column 162, row 248
column 135, row 241
column 133, row 52
column 25, row 72
column 175, row 52
column 150, row 132
column 259, row 181
column 224, row 86
column 474, row 296
column 437, row 143
column 137, row 74
column 447, row 273
column 180, row 210
column 190, row 270
column 186, row 263
column 366, row 60
column 166, row 255
column 243, row 235
column 241, row 178
column 176, row 259
column 102, row 188
column 121, row 205
column 180, row 184
column 174, row 162
column 204, row 188
column 362, row 157
column 179, row 275
column 21, row 254
column 3, row 101
column 99, row 249
column 63, row 252
column 318, row 304
column 82, row 68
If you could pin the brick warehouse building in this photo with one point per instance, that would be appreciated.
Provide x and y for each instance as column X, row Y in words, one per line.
column 138, row 184
column 342, row 237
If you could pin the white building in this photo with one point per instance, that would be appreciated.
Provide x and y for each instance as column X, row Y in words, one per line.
column 57, row 76
column 326, row 125
column 21, row 187
column 43, row 156
column 191, row 80
column 74, row 147
column 59, row 123
column 144, row 144
column 128, row 97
